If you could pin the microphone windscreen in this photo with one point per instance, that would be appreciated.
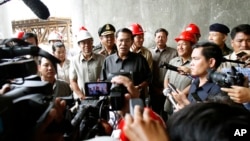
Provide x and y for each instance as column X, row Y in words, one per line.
column 38, row 8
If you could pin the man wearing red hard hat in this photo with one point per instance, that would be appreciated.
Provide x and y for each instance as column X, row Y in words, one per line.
column 20, row 34
column 184, row 48
column 193, row 28
column 137, row 47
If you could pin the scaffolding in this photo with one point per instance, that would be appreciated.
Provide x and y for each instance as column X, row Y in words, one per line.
column 42, row 28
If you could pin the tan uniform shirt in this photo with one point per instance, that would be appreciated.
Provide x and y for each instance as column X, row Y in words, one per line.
column 178, row 80
column 84, row 70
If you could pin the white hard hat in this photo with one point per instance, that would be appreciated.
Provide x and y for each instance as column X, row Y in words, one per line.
column 54, row 36
column 83, row 35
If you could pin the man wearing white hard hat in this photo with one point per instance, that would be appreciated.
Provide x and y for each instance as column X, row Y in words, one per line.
column 54, row 37
column 85, row 66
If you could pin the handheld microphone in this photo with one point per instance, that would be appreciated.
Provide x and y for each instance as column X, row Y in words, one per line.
column 233, row 61
column 173, row 68
column 38, row 8
column 168, row 66
column 167, row 92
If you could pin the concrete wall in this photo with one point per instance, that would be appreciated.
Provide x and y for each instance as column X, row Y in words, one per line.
column 173, row 15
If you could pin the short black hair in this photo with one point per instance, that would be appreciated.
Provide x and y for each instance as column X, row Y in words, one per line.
column 57, row 45
column 245, row 28
column 50, row 59
column 30, row 35
column 210, row 50
column 208, row 122
column 161, row 30
column 124, row 30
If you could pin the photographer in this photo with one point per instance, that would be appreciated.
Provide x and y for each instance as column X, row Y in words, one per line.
column 47, row 70
column 54, row 114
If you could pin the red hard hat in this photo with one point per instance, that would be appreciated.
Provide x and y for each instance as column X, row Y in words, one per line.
column 136, row 29
column 193, row 28
column 153, row 115
column 187, row 36
column 20, row 34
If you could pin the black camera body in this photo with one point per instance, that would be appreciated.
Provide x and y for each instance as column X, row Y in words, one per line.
column 86, row 121
column 114, row 93
column 117, row 96
column 97, row 89
column 28, row 102
column 226, row 79
column 25, row 106
column 94, row 110
column 117, row 91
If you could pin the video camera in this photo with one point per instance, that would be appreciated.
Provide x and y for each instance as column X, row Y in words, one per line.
column 226, row 79
column 24, row 108
column 116, row 93
column 92, row 115
column 26, row 105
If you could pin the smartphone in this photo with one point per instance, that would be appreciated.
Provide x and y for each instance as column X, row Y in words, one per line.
column 242, row 53
column 133, row 102
column 96, row 89
column 172, row 87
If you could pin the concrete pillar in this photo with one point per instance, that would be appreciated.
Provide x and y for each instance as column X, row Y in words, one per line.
column 77, row 18
column 5, row 26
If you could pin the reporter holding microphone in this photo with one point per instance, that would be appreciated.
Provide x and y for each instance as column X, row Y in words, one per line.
column 205, row 56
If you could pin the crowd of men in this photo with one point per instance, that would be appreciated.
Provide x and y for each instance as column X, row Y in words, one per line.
column 121, row 52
